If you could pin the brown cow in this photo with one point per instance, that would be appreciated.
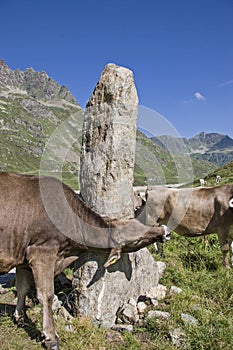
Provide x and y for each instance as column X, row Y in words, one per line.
column 45, row 226
column 194, row 212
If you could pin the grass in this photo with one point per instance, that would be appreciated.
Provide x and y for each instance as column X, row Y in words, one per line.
column 194, row 265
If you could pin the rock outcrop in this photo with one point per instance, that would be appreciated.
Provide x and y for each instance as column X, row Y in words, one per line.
column 36, row 84
column 104, row 295
column 109, row 140
column 106, row 177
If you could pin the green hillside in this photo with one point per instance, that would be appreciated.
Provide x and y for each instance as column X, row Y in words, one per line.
column 226, row 173
column 155, row 165
column 24, row 134
column 40, row 119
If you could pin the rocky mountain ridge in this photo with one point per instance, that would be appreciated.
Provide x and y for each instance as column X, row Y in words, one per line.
column 35, row 84
column 32, row 106
column 213, row 147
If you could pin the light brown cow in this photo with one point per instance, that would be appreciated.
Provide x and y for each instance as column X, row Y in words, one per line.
column 45, row 226
column 138, row 201
column 194, row 212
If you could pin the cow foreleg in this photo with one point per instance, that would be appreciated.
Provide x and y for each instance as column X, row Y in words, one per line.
column 225, row 247
column 24, row 281
column 231, row 245
column 232, row 254
column 44, row 280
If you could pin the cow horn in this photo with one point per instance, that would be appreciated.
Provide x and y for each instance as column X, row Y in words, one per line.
column 114, row 255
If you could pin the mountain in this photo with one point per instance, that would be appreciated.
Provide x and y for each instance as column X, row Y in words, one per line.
column 175, row 145
column 41, row 130
column 32, row 106
column 212, row 147
column 156, row 164
column 34, row 84
column 225, row 143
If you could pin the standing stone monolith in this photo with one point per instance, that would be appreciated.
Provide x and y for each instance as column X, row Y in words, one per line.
column 109, row 140
column 106, row 185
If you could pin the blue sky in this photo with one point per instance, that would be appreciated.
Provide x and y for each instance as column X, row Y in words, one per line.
column 181, row 52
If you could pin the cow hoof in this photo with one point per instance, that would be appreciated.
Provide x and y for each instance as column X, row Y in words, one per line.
column 21, row 319
column 52, row 345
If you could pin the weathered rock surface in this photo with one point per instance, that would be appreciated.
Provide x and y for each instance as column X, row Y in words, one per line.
column 109, row 140
column 101, row 293
column 161, row 267
column 161, row 315
column 186, row 318
column 175, row 290
column 158, row 292
column 106, row 178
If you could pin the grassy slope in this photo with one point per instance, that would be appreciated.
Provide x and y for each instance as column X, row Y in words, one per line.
column 159, row 166
column 24, row 135
column 194, row 265
column 226, row 173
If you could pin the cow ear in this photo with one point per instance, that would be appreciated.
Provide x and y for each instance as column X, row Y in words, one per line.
column 146, row 193
column 113, row 257
column 231, row 203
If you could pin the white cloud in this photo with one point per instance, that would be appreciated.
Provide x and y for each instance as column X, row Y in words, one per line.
column 226, row 83
column 199, row 96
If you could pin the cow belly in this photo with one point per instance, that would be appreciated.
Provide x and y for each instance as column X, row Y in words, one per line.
column 7, row 262
column 12, row 251
column 190, row 230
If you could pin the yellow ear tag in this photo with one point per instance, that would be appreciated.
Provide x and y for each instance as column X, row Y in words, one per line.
column 112, row 261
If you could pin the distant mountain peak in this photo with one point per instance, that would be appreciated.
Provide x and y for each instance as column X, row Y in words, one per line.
column 214, row 147
column 36, row 84
column 3, row 64
column 225, row 142
column 205, row 140
column 32, row 105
